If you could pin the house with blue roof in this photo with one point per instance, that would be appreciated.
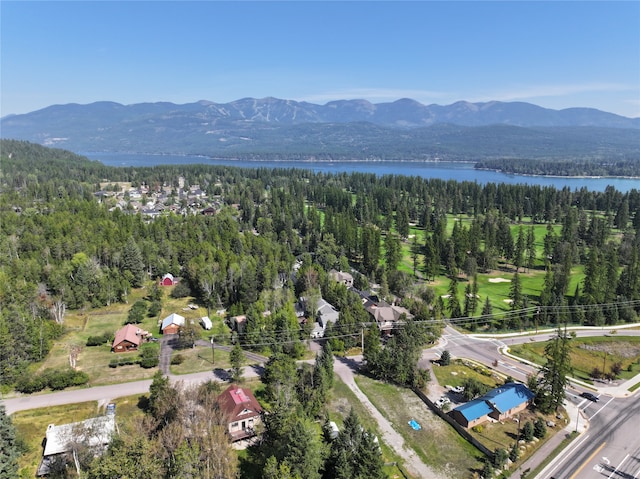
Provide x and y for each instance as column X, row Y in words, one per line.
column 498, row 404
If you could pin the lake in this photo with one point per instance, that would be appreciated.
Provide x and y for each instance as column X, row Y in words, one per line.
column 441, row 170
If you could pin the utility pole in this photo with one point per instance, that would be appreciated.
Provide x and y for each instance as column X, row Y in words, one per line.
column 213, row 353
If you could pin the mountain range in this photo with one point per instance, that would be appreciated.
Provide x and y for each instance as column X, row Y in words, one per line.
column 344, row 129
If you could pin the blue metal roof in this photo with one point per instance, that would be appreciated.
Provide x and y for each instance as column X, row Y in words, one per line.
column 508, row 396
column 474, row 409
column 501, row 398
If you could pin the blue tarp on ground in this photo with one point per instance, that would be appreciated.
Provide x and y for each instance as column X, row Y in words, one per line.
column 415, row 425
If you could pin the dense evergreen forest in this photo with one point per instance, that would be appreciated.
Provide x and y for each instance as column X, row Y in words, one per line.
column 63, row 246
column 78, row 235
column 520, row 166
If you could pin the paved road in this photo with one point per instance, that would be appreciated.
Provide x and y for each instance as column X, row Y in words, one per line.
column 610, row 448
column 614, row 417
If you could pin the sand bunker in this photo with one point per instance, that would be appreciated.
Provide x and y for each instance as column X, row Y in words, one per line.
column 499, row 280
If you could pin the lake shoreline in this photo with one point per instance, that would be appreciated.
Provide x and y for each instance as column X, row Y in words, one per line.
column 426, row 168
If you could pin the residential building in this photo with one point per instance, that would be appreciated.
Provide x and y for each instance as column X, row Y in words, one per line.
column 172, row 324
column 242, row 411
column 128, row 339
column 498, row 404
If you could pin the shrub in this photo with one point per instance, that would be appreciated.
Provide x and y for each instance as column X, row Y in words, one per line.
column 421, row 378
column 149, row 363
column 514, row 453
column 527, row 431
column 155, row 308
column 181, row 290
column 137, row 312
column 30, row 384
column 63, row 379
column 539, row 428
column 477, row 428
column 500, row 457
column 114, row 363
column 56, row 380
column 128, row 361
column 177, row 359
column 99, row 340
column 149, row 355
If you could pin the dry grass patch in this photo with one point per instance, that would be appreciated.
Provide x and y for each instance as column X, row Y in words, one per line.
column 591, row 352
column 437, row 443
column 340, row 404
column 460, row 369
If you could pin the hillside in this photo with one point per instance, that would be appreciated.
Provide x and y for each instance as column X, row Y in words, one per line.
column 343, row 130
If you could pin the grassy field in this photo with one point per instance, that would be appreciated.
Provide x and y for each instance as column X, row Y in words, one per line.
column 587, row 353
column 437, row 444
column 459, row 370
column 200, row 359
column 94, row 360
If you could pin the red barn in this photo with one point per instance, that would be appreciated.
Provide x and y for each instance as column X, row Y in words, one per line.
column 168, row 280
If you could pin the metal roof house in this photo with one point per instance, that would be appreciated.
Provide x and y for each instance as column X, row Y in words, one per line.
column 172, row 323
column 94, row 433
column 498, row 404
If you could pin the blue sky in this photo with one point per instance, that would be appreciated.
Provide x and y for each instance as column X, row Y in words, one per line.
column 554, row 54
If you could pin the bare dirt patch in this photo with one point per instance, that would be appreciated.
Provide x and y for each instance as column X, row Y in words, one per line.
column 621, row 349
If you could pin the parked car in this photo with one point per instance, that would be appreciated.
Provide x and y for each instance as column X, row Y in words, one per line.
column 590, row 396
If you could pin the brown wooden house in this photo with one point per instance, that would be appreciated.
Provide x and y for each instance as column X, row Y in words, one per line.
column 128, row 338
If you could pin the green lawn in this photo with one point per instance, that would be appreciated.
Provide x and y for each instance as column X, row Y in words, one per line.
column 437, row 443
column 200, row 359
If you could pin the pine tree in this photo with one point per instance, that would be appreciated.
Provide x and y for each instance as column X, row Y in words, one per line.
column 453, row 302
column 235, row 358
column 9, row 450
column 133, row 263
column 515, row 293
column 555, row 372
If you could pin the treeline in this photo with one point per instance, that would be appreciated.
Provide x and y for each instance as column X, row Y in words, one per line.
column 519, row 166
column 62, row 248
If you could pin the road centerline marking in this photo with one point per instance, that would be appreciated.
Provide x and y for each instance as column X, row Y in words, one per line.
column 575, row 474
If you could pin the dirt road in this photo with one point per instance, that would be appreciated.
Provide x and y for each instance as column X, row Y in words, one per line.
column 344, row 368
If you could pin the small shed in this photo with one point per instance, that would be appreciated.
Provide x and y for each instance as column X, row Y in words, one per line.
column 206, row 323
column 172, row 323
